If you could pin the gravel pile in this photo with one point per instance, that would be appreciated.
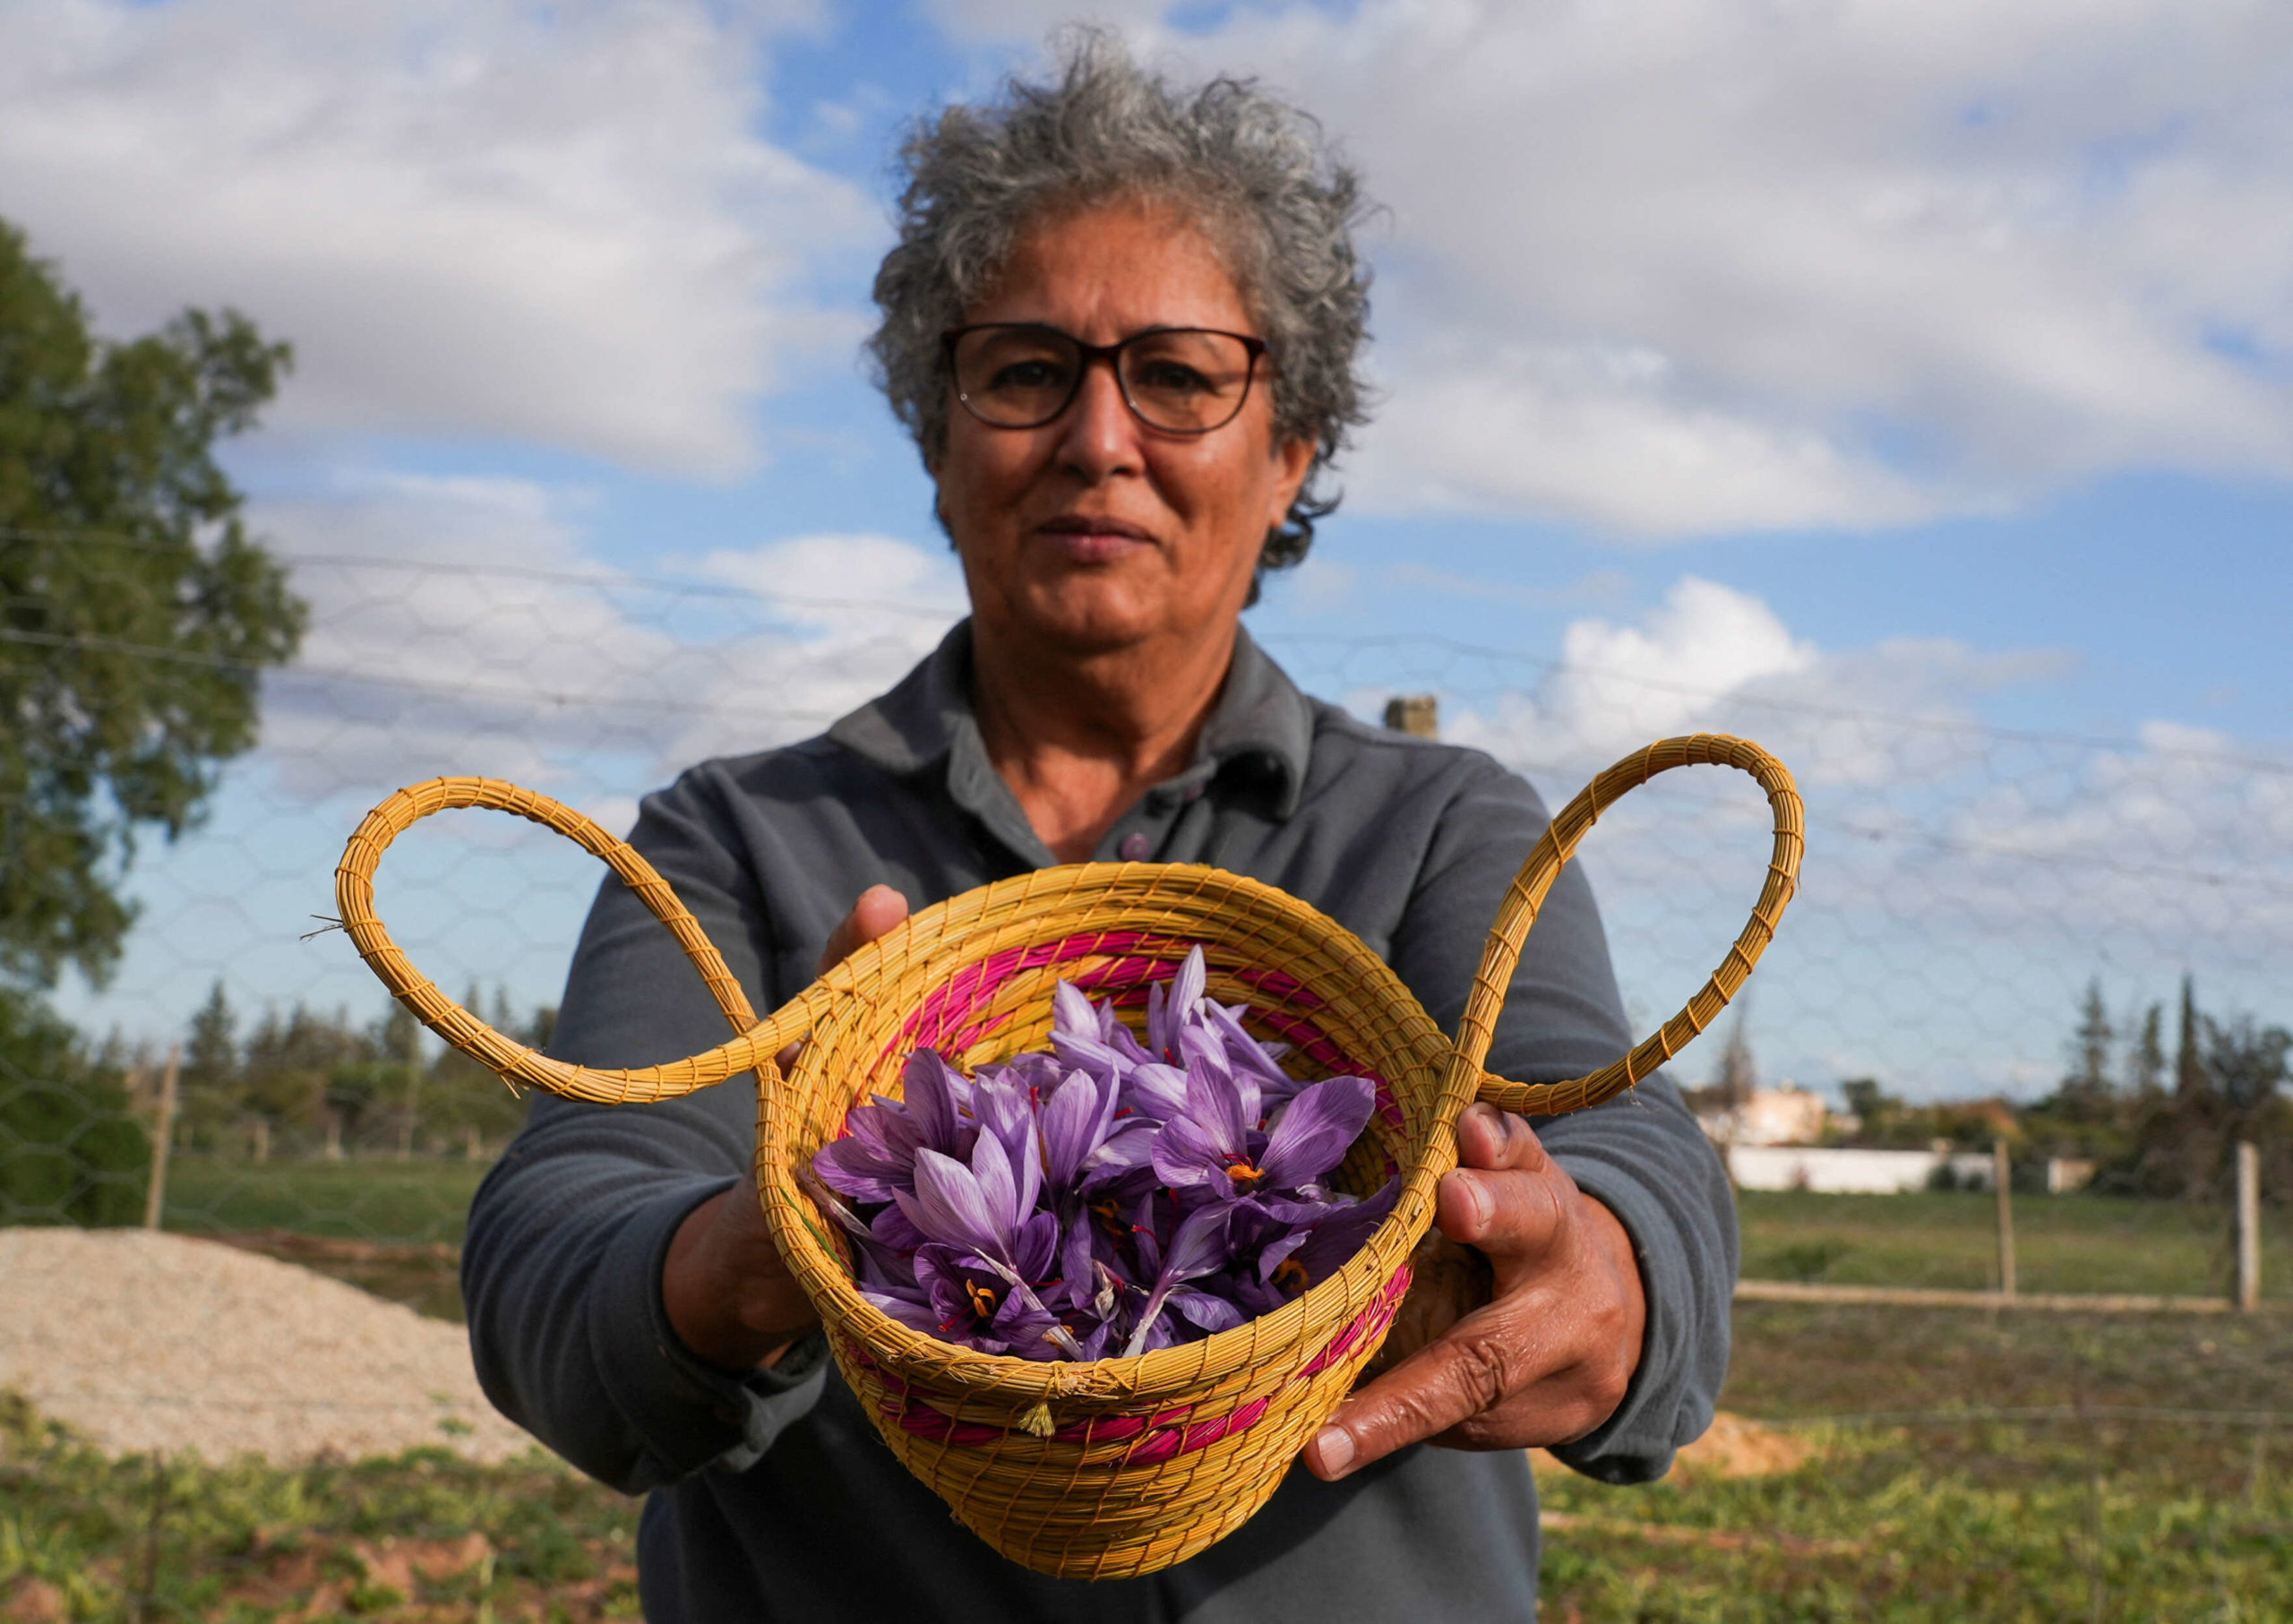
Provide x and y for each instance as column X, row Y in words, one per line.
column 145, row 1341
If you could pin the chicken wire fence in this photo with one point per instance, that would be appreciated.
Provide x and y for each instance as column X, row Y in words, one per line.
column 1971, row 895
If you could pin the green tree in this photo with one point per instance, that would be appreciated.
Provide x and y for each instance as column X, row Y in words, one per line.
column 2190, row 1080
column 2084, row 1095
column 136, row 614
column 72, row 1151
column 2145, row 1057
column 211, row 1084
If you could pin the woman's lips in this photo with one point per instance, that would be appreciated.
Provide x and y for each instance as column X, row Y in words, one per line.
column 1087, row 538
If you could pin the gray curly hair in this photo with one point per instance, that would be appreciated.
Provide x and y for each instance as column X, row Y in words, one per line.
column 1254, row 171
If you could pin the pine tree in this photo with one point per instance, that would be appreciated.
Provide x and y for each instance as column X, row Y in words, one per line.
column 2145, row 1057
column 2190, row 1080
column 211, row 1086
column 2085, row 1093
column 1738, row 1076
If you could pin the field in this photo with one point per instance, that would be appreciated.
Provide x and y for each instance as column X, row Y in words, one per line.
column 420, row 1202
column 2024, row 1467
column 1962, row 1465
column 2062, row 1244
column 408, row 1217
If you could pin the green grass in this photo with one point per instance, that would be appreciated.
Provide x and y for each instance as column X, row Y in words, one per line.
column 424, row 1536
column 404, row 1203
column 2062, row 1244
column 1938, row 1509
column 1925, row 1502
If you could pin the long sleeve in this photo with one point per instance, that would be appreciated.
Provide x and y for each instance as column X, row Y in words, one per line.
column 561, row 1269
column 1641, row 1155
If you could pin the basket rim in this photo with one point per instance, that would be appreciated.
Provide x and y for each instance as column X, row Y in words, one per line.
column 1002, row 1379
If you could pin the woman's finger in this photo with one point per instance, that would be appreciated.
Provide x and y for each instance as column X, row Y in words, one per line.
column 877, row 911
column 1483, row 1361
column 1507, row 1198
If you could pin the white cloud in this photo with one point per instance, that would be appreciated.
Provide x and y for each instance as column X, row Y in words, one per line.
column 551, row 223
column 459, row 627
column 1619, row 686
column 1961, row 882
column 1699, row 266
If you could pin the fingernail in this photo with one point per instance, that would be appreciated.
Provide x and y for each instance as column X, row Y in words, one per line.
column 1485, row 1206
column 1335, row 1445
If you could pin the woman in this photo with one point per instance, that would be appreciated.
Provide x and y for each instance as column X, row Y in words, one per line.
column 1121, row 324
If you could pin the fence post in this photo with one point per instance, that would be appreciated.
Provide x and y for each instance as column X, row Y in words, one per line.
column 2249, row 1225
column 2002, row 1174
column 163, row 1133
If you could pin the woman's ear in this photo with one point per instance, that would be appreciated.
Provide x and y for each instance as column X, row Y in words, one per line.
column 1293, row 459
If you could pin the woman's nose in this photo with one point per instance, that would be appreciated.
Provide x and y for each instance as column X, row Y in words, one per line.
column 1100, row 436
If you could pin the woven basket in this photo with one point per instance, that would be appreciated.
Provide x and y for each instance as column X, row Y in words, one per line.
column 1118, row 1467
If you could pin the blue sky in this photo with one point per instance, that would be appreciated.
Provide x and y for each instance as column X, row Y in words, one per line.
column 1860, row 378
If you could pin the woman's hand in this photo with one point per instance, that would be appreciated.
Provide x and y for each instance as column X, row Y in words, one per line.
column 730, row 1298
column 1549, row 1357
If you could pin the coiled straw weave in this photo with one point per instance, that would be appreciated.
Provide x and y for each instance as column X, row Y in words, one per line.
column 1117, row 1466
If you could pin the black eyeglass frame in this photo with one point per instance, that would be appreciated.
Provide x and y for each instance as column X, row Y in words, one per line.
column 1112, row 354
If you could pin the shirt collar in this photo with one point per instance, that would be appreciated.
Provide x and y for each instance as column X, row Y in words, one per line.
column 927, row 717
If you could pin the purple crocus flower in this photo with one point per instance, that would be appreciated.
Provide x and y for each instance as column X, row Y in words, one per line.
column 877, row 1156
column 1213, row 1148
column 1103, row 1195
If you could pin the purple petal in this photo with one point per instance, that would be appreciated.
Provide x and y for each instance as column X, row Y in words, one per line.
column 1316, row 1129
column 1198, row 1247
column 1007, row 1121
column 893, row 1227
column 1154, row 1091
column 1072, row 1122
column 916, row 1316
column 1187, row 1157
column 999, row 1188
column 851, row 1169
column 1328, row 1245
column 1118, row 1037
column 1187, row 986
column 1126, row 1150
column 1205, row 1311
column 950, row 1207
column 1073, row 1013
column 1246, row 1055
column 1214, row 1107
column 936, row 1096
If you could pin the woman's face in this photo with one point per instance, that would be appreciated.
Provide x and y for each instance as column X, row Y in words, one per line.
column 1095, row 532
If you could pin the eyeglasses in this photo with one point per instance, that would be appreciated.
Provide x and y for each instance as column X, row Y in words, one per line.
column 1178, row 379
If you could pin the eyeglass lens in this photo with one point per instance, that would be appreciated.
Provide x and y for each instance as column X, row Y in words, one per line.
column 1183, row 380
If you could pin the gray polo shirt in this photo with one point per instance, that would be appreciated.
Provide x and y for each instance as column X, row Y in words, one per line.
column 772, row 1497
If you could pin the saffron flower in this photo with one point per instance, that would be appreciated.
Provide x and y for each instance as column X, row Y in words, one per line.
column 1105, row 1196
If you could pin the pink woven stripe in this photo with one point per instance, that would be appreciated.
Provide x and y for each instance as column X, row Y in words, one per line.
column 943, row 1020
column 1136, row 960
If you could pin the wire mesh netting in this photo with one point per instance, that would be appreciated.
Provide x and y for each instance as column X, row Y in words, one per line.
column 1965, row 887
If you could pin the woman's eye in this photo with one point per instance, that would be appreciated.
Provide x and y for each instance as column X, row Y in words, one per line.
column 1026, row 375
column 1170, row 378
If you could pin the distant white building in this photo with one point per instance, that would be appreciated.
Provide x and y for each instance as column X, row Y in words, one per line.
column 1832, row 1170
column 1785, row 1115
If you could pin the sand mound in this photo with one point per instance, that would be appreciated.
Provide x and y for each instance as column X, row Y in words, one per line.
column 156, row 1342
column 1732, row 1448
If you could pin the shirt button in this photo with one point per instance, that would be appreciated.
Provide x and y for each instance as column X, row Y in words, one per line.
column 1135, row 848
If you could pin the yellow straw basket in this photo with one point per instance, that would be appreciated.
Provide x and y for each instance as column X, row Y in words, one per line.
column 1117, row 1466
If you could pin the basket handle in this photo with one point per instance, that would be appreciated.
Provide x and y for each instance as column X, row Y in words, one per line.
column 1518, row 912
column 752, row 1050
